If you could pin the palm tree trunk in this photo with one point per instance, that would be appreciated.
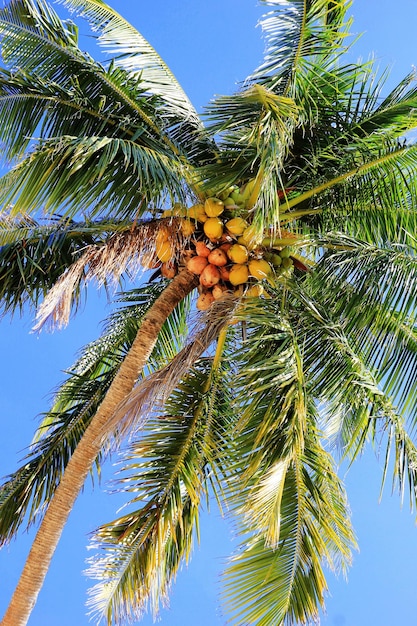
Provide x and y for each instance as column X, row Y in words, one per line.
column 50, row 530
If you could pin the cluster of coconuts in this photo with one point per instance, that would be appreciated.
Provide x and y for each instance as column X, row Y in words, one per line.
column 227, row 253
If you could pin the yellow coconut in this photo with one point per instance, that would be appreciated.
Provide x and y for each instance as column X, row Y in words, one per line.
column 161, row 236
column 259, row 268
column 197, row 212
column 251, row 236
column 213, row 228
column 238, row 274
column 238, row 253
column 164, row 251
column 236, row 226
column 213, row 207
column 179, row 209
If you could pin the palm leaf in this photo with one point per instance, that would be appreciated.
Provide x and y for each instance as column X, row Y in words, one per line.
column 286, row 585
column 294, row 31
column 33, row 254
column 107, row 176
column 133, row 53
column 170, row 468
column 26, row 493
column 37, row 42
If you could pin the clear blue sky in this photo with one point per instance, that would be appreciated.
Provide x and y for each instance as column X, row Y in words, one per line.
column 209, row 46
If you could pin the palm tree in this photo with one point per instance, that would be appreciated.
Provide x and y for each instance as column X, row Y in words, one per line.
column 301, row 188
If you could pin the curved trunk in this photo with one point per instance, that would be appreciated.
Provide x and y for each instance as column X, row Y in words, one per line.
column 46, row 540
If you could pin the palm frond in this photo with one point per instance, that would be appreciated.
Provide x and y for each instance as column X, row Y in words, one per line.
column 93, row 102
column 26, row 493
column 294, row 31
column 100, row 175
column 376, row 303
column 396, row 112
column 255, row 130
column 132, row 52
column 38, row 44
column 285, row 584
column 34, row 253
column 168, row 470
column 404, row 462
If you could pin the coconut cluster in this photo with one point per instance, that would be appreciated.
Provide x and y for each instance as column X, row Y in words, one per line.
column 228, row 253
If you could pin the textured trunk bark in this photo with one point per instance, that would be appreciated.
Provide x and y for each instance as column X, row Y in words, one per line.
column 50, row 530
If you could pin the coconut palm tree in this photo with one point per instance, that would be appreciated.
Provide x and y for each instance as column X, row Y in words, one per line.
column 288, row 219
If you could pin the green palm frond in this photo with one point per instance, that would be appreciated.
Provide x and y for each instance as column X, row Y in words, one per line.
column 285, row 584
column 134, row 55
column 102, row 175
column 385, row 177
column 404, row 462
column 171, row 467
column 45, row 33
column 294, row 31
column 36, row 43
column 255, row 130
column 375, row 302
column 93, row 102
column 132, row 52
column 27, row 492
column 33, row 254
column 282, row 481
column 397, row 111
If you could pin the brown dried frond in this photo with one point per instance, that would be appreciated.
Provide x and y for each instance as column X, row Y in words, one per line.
column 151, row 393
column 130, row 251
column 56, row 307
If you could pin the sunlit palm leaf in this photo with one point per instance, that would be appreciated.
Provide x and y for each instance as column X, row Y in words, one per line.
column 286, row 585
column 132, row 52
column 169, row 469
column 295, row 30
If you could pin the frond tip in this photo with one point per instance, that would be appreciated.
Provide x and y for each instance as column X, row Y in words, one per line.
column 130, row 251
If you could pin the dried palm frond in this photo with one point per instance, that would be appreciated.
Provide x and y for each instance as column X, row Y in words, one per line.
column 152, row 392
column 129, row 251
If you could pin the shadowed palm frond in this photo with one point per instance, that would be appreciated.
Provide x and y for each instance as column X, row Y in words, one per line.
column 94, row 175
column 34, row 253
column 27, row 492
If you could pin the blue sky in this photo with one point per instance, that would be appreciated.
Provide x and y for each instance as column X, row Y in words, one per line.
column 209, row 46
